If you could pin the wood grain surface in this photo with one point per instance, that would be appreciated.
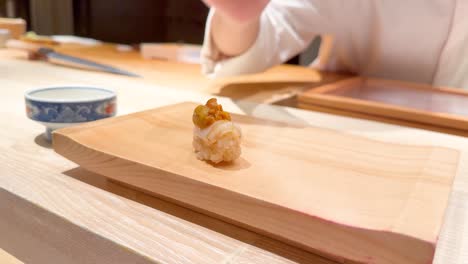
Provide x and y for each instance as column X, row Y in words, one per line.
column 373, row 117
column 52, row 212
column 332, row 193
column 436, row 106
column 6, row 258
column 97, row 215
column 16, row 26
column 275, row 84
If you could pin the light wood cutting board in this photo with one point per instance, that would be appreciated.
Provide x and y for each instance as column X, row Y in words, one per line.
column 345, row 197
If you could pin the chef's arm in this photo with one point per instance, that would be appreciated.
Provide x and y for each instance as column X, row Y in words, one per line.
column 281, row 31
column 235, row 24
column 232, row 37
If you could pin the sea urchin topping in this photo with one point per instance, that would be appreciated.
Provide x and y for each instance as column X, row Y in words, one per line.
column 205, row 115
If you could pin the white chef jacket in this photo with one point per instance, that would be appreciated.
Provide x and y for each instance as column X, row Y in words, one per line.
column 417, row 40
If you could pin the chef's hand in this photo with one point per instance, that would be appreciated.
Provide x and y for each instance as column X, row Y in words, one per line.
column 241, row 11
column 235, row 24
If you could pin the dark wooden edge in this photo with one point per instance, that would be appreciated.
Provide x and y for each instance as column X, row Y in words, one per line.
column 342, row 84
column 319, row 97
column 382, row 119
column 418, row 86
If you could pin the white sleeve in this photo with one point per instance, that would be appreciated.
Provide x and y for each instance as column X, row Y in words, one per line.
column 286, row 28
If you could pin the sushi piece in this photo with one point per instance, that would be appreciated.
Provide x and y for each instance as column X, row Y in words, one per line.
column 215, row 137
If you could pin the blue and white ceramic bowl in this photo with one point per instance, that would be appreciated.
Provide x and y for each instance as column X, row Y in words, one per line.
column 61, row 106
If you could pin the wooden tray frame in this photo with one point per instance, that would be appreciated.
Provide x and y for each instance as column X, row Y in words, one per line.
column 319, row 97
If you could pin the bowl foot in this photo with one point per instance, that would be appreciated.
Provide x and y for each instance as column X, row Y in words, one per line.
column 48, row 134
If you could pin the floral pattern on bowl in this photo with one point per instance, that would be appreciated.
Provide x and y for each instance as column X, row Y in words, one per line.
column 70, row 112
column 62, row 106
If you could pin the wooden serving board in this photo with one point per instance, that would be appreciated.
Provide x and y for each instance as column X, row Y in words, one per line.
column 342, row 196
column 420, row 103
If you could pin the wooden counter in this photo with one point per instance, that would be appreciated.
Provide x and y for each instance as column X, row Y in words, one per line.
column 54, row 212
column 276, row 84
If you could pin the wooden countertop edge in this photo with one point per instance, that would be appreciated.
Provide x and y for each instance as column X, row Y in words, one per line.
column 27, row 219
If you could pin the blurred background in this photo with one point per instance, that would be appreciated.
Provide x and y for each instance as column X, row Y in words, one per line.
column 118, row 21
column 122, row 21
